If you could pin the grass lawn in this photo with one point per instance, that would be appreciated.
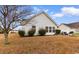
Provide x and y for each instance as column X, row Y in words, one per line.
column 40, row 44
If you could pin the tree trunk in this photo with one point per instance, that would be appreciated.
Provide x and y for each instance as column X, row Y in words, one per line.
column 6, row 38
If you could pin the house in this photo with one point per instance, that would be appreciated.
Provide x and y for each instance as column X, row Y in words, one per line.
column 69, row 27
column 38, row 21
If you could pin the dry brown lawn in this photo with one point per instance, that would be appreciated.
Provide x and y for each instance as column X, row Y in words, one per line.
column 40, row 44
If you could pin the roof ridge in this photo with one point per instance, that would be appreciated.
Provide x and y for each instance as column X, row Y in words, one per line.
column 43, row 13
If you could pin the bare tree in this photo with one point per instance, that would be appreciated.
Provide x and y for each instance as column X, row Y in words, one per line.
column 9, row 15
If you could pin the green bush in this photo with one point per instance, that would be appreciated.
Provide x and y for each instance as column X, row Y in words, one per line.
column 42, row 32
column 31, row 32
column 58, row 31
column 21, row 33
column 71, row 32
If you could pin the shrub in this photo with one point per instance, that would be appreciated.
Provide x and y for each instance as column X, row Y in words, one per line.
column 57, row 31
column 71, row 32
column 31, row 32
column 21, row 33
column 42, row 32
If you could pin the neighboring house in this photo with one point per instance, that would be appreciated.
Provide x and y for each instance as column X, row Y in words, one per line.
column 69, row 27
column 38, row 21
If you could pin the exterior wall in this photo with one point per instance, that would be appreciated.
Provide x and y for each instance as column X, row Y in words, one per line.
column 40, row 21
column 65, row 28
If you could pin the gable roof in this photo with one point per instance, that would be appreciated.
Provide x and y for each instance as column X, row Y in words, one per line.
column 25, row 21
column 73, row 25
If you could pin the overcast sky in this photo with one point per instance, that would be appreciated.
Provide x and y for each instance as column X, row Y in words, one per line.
column 60, row 13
